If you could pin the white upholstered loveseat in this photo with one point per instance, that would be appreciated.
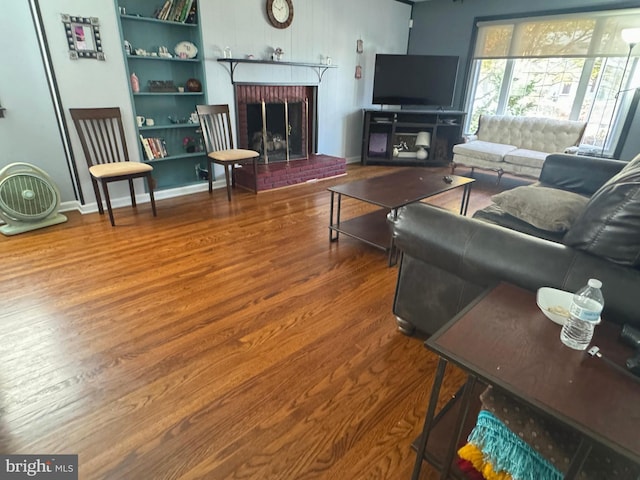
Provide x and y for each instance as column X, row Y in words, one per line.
column 517, row 145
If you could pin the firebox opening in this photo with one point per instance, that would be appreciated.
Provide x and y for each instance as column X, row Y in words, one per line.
column 271, row 141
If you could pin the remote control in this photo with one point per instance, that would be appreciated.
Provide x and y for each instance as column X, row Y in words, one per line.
column 447, row 179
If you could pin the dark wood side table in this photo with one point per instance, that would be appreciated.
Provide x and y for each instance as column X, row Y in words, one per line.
column 503, row 339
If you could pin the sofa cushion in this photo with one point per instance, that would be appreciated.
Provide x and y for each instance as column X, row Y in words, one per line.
column 522, row 156
column 632, row 165
column 492, row 152
column 609, row 227
column 544, row 208
column 533, row 133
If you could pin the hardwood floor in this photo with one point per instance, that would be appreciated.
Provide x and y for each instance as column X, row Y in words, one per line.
column 217, row 341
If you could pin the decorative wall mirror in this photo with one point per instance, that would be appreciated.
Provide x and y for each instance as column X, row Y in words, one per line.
column 83, row 36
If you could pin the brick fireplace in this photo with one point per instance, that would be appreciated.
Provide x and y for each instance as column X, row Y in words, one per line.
column 252, row 100
column 287, row 141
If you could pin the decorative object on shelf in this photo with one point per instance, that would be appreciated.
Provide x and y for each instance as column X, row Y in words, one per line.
column 277, row 54
column 176, row 120
column 161, row 86
column 189, row 144
column 127, row 48
column 280, row 12
column 83, row 37
column 141, row 52
column 400, row 147
column 135, row 83
column 423, row 141
column 187, row 48
column 193, row 85
column 193, row 118
column 227, row 52
column 192, row 16
column 164, row 52
column 140, row 120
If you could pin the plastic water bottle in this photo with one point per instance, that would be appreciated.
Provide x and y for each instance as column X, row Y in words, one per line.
column 584, row 314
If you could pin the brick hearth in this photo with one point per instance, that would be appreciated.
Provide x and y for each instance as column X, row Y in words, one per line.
column 283, row 174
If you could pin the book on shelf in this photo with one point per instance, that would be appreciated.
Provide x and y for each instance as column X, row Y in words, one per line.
column 147, row 149
column 177, row 11
column 185, row 10
column 174, row 8
column 163, row 12
column 154, row 147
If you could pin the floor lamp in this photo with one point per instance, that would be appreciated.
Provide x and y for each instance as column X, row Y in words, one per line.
column 632, row 37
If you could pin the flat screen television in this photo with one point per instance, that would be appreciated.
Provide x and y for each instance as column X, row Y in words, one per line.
column 421, row 80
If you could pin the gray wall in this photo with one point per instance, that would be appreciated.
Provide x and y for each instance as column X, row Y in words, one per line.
column 29, row 132
column 445, row 27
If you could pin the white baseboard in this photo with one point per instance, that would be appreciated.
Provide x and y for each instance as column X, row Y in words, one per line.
column 92, row 207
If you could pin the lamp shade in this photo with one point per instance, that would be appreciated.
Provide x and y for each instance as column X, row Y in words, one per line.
column 423, row 139
column 630, row 35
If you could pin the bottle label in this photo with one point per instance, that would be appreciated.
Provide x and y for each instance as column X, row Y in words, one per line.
column 587, row 314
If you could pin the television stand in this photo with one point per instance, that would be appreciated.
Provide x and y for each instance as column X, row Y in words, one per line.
column 388, row 136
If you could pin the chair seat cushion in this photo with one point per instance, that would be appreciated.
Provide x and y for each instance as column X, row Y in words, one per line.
column 117, row 169
column 493, row 152
column 234, row 155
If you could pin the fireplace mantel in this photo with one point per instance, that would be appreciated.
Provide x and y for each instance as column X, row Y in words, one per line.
column 319, row 68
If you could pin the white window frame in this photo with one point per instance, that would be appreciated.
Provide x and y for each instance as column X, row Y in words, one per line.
column 624, row 94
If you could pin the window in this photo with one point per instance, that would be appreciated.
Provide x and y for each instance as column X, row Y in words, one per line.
column 571, row 67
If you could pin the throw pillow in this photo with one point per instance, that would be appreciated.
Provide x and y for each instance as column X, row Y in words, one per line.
column 545, row 208
column 632, row 165
column 609, row 227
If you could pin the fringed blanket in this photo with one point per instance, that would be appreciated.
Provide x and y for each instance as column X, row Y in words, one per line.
column 512, row 442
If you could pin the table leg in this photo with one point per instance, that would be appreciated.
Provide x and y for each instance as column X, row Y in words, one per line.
column 393, row 251
column 466, row 193
column 457, row 431
column 428, row 420
column 578, row 459
column 333, row 235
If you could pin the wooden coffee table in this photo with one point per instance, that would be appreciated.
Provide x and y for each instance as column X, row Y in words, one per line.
column 390, row 192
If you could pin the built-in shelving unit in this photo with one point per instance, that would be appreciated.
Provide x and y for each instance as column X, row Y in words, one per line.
column 170, row 111
column 388, row 136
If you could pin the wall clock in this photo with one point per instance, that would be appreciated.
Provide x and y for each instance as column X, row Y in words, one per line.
column 280, row 12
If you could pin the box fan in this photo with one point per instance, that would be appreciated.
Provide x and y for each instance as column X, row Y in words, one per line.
column 28, row 199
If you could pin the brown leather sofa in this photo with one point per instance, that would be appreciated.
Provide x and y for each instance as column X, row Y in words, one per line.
column 448, row 260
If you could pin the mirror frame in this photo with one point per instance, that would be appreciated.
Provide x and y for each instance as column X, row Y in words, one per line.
column 90, row 28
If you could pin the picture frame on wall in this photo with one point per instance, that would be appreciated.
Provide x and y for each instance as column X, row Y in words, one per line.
column 83, row 37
